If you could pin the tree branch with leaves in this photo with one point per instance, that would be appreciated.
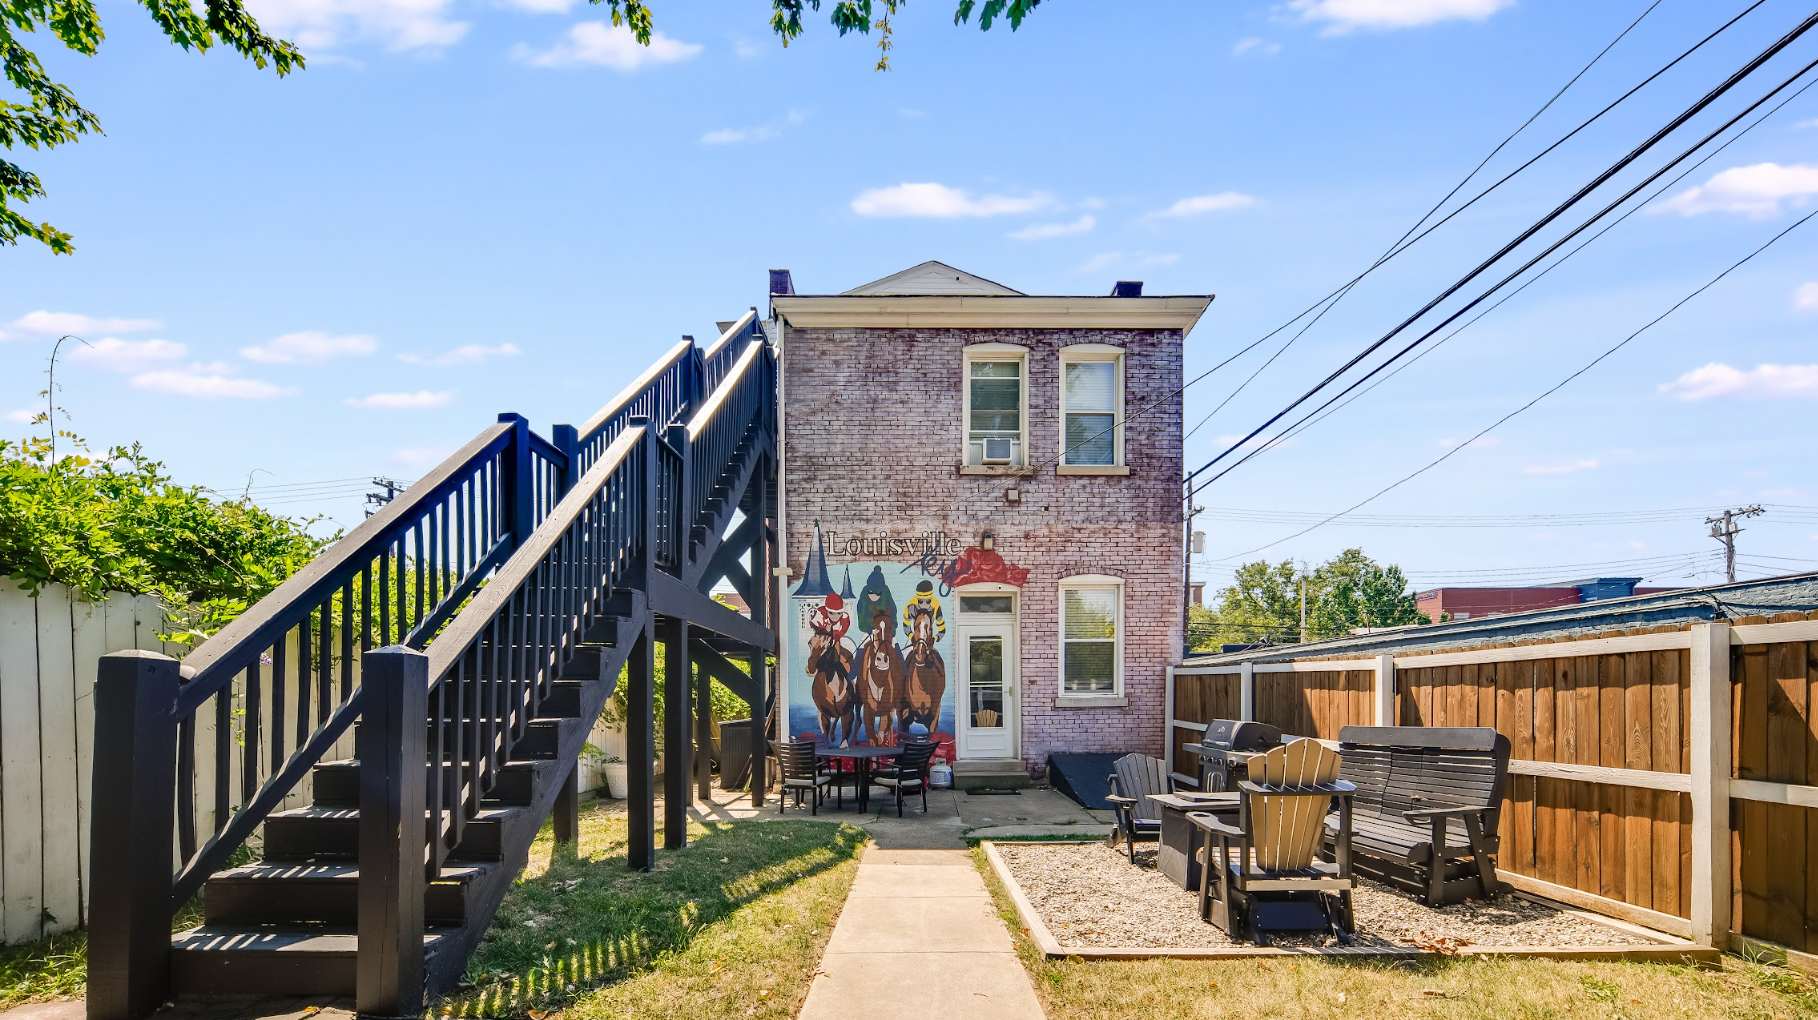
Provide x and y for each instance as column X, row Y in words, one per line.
column 46, row 114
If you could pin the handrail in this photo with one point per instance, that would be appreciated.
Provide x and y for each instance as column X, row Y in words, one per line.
column 721, row 393
column 496, row 661
column 621, row 403
column 719, row 354
column 739, row 326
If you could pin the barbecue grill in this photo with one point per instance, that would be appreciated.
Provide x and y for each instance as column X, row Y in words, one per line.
column 1219, row 768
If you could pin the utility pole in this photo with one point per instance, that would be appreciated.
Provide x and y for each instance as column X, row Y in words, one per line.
column 1303, row 604
column 377, row 500
column 1186, row 589
column 1724, row 529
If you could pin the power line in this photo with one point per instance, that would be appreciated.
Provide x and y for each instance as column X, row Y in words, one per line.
column 1605, row 176
column 1330, row 409
column 1447, row 197
column 1594, row 362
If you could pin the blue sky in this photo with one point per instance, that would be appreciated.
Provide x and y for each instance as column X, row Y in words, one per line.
column 463, row 208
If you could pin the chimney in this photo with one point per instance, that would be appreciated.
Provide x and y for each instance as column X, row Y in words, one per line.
column 1127, row 288
column 781, row 282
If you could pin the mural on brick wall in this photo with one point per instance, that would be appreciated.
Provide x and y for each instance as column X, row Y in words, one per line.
column 872, row 664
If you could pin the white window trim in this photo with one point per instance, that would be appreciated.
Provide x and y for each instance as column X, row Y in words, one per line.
column 995, row 352
column 1114, row 699
column 1093, row 353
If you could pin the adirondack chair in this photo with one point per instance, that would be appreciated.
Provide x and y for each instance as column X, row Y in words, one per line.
column 1134, row 778
column 1264, row 873
column 1411, row 782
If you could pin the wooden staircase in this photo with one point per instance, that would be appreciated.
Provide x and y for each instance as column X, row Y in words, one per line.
column 466, row 638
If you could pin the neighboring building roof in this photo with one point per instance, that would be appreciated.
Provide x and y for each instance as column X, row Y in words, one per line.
column 1794, row 593
column 936, row 295
column 929, row 279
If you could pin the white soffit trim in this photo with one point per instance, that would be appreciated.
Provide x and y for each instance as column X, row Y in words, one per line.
column 949, row 312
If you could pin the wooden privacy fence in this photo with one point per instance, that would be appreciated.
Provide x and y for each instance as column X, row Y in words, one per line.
column 1668, row 778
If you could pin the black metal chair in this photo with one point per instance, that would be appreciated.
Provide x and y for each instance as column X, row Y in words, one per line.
column 802, row 775
column 908, row 773
column 1137, row 777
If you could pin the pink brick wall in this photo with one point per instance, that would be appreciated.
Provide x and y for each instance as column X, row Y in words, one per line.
column 872, row 436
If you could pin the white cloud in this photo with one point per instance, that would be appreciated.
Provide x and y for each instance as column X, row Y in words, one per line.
column 1255, row 44
column 309, row 347
column 1126, row 260
column 1766, row 380
column 208, row 381
column 394, row 24
column 1201, row 205
column 1340, row 16
column 117, row 355
column 416, row 400
column 46, row 323
column 21, row 416
column 1569, row 467
column 1806, row 297
column 599, row 44
column 756, row 133
column 1758, row 190
column 1808, row 124
column 542, row 6
column 929, row 200
column 1047, row 231
column 466, row 354
column 746, row 49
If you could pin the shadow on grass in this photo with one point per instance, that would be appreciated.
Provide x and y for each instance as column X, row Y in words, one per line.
column 588, row 922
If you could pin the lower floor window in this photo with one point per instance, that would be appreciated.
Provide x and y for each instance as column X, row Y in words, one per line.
column 1090, row 626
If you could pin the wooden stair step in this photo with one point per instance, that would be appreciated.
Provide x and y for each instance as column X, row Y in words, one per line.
column 333, row 833
column 337, row 783
column 229, row 960
column 325, row 892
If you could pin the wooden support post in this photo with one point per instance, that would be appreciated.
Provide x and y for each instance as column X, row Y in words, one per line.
column 640, row 681
column 640, row 751
column 1711, row 771
column 567, row 439
column 568, row 806
column 1246, row 691
column 703, row 734
column 132, row 828
column 676, row 796
column 763, row 612
column 392, row 748
column 516, row 482
column 1382, row 695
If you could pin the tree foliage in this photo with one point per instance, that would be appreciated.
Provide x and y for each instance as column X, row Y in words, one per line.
column 46, row 114
column 1262, row 603
column 116, row 523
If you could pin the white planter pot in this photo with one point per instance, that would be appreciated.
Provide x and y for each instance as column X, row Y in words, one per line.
column 618, row 781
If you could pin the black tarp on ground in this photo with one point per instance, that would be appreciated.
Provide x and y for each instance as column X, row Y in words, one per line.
column 1083, row 776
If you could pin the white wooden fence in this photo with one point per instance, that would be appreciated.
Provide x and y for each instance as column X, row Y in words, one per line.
column 49, row 648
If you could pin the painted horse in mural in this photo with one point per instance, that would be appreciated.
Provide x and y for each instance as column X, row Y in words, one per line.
column 880, row 682
column 830, row 665
column 926, row 680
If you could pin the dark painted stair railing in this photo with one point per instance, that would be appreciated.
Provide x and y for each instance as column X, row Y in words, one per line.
column 460, row 644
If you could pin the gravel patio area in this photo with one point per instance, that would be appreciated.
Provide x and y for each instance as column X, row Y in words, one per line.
column 1090, row 897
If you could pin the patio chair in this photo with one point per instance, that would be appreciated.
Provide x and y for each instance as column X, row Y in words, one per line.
column 802, row 775
column 1136, row 777
column 1264, row 873
column 908, row 773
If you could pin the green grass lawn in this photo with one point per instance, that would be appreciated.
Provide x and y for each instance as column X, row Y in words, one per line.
column 732, row 926
column 1456, row 989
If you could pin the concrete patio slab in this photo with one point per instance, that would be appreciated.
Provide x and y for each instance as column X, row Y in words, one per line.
column 906, row 924
column 918, row 880
column 916, row 986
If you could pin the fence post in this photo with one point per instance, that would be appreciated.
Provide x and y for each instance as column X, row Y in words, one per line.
column 1246, row 691
column 1711, row 767
column 1382, row 695
column 392, row 750
column 135, row 772
column 516, row 481
column 1168, row 722
column 567, row 439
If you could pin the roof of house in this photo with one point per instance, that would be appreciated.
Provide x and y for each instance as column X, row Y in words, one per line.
column 932, row 278
column 1793, row 593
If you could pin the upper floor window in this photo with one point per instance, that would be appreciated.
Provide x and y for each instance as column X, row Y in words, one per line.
column 1091, row 635
column 996, row 410
column 1092, row 406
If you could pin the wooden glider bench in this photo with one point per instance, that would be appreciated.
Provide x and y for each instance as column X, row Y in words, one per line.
column 1412, row 783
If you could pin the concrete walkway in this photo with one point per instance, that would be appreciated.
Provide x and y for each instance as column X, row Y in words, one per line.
column 919, row 938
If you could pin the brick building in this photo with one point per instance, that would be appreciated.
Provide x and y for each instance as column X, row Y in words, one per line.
column 1471, row 602
column 975, row 547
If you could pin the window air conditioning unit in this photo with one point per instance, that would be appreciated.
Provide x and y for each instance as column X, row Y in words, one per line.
column 999, row 451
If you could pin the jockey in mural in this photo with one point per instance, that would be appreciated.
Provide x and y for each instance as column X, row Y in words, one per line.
column 830, row 618
column 875, row 600
column 924, row 601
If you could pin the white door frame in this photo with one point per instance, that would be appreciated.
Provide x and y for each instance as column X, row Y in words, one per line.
column 1007, row 627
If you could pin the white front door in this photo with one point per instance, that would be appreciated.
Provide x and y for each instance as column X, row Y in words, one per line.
column 987, row 696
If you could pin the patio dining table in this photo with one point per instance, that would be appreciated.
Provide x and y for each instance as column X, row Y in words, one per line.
column 861, row 755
